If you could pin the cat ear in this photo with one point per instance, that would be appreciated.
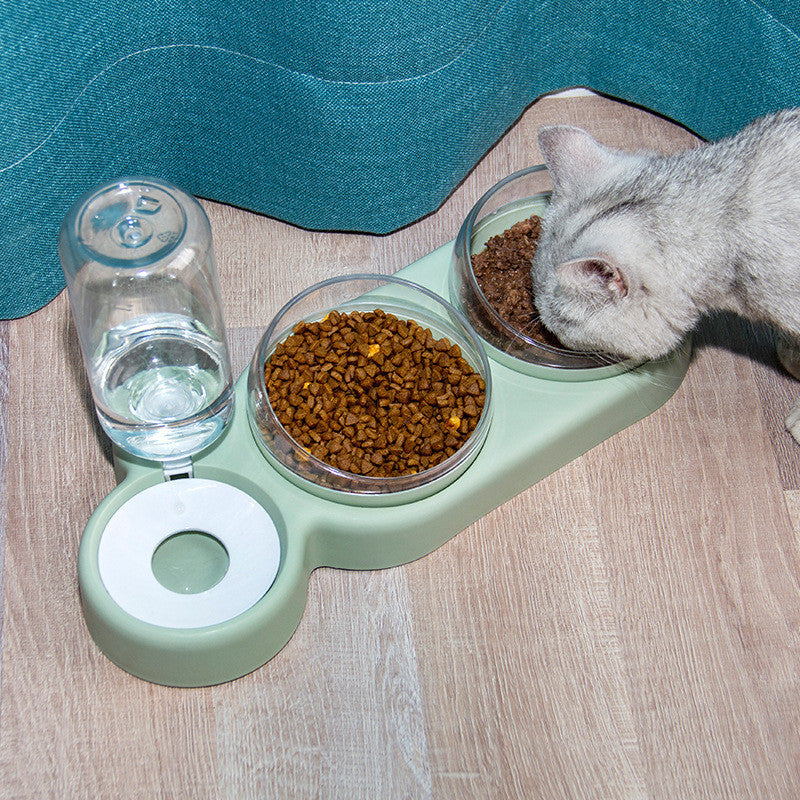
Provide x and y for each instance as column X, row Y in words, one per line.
column 595, row 276
column 573, row 157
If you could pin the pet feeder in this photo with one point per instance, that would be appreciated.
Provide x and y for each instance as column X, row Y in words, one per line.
column 223, row 546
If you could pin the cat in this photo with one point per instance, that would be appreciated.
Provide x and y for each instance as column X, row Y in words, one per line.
column 637, row 246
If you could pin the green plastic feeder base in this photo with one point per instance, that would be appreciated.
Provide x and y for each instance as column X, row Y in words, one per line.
column 540, row 423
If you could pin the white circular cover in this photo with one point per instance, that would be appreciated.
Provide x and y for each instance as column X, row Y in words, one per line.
column 144, row 521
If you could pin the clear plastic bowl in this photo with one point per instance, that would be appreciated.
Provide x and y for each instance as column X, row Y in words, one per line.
column 406, row 300
column 514, row 198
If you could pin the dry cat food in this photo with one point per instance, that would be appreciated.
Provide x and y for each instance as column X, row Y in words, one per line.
column 503, row 271
column 371, row 394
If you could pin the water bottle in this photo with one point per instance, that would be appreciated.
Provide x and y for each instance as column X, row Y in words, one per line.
column 142, row 283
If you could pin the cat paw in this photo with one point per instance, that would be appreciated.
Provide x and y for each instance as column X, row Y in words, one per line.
column 793, row 422
column 787, row 348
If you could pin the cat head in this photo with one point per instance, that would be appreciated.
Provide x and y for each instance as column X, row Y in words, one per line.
column 600, row 274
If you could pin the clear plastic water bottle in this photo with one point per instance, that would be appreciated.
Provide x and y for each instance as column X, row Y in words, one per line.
column 139, row 264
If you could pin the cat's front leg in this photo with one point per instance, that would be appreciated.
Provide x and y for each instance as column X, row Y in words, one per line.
column 793, row 421
column 787, row 348
column 788, row 351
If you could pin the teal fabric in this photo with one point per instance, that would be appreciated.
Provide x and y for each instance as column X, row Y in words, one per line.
column 358, row 116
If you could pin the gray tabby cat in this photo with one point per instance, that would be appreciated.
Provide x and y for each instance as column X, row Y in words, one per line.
column 636, row 247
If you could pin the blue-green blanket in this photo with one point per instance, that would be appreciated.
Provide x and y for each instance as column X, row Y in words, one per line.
column 359, row 115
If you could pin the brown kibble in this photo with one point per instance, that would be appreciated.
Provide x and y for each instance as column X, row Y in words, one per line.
column 371, row 394
column 503, row 271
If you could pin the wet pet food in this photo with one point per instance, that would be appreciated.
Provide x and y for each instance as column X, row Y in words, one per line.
column 503, row 271
column 371, row 394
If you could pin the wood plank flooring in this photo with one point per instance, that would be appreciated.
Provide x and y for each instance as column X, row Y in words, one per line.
column 628, row 627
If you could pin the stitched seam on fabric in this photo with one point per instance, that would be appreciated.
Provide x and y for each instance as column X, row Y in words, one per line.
column 247, row 57
column 775, row 19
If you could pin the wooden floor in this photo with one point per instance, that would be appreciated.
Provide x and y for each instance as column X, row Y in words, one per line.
column 628, row 627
